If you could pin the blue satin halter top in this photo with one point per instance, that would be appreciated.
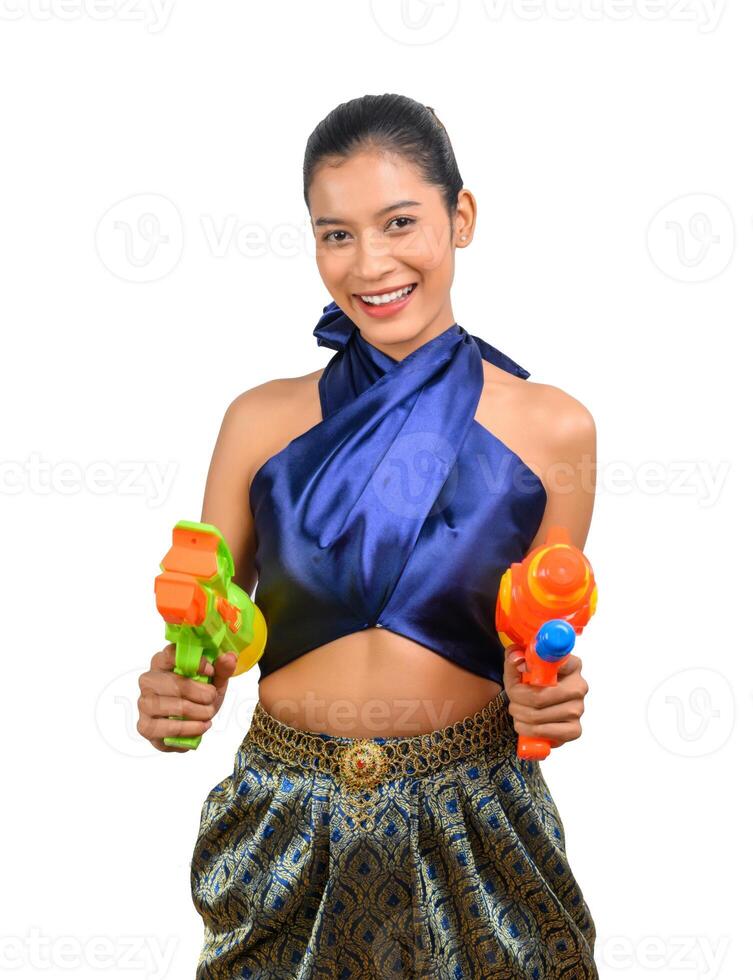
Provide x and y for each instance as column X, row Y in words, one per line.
column 398, row 509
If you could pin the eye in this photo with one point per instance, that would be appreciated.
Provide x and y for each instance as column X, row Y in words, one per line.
column 403, row 217
column 339, row 241
column 327, row 238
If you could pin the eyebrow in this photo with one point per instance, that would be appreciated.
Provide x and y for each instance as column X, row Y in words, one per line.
column 379, row 214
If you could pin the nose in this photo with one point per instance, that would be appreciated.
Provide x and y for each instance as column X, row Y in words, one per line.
column 372, row 259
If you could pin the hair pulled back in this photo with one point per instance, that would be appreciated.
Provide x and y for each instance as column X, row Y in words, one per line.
column 387, row 123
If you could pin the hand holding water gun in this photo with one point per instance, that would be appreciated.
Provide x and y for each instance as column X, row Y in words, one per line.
column 543, row 602
column 205, row 612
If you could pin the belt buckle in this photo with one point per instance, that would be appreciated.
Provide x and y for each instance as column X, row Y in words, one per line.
column 363, row 764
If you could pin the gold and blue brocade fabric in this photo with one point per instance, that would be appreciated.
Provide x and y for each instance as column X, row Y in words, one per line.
column 462, row 872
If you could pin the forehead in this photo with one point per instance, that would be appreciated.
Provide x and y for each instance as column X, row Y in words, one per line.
column 357, row 187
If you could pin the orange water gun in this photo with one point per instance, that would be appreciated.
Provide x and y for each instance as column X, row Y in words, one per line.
column 543, row 601
column 205, row 612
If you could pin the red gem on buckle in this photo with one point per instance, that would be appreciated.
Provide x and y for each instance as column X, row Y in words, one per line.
column 362, row 765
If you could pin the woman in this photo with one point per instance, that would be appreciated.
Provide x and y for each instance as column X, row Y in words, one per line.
column 377, row 822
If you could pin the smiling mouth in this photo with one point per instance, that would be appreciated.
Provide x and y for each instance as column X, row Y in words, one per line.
column 386, row 296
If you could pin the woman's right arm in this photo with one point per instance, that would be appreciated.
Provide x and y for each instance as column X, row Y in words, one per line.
column 226, row 505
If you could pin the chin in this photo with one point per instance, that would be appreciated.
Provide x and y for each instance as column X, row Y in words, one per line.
column 391, row 333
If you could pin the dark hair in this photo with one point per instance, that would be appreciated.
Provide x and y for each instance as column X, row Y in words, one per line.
column 392, row 123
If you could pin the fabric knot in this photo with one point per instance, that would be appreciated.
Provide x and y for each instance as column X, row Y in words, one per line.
column 334, row 328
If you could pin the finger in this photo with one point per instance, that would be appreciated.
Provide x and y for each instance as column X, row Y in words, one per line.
column 170, row 684
column 223, row 670
column 565, row 713
column 165, row 660
column 511, row 676
column 158, row 728
column 570, row 665
column 562, row 732
column 187, row 687
column 539, row 698
column 162, row 706
column 545, row 696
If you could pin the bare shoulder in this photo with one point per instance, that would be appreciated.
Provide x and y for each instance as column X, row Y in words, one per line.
column 550, row 415
column 277, row 393
column 275, row 412
column 555, row 434
column 559, row 414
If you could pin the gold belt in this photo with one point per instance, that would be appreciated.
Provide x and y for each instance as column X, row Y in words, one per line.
column 359, row 765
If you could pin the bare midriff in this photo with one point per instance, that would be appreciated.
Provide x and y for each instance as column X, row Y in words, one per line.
column 373, row 683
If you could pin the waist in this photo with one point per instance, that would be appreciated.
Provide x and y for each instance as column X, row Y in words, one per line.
column 363, row 769
column 373, row 683
column 365, row 762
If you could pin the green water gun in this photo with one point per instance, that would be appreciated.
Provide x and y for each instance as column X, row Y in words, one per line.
column 205, row 612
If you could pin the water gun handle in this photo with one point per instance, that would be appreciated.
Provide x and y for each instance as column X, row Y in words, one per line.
column 549, row 648
column 188, row 653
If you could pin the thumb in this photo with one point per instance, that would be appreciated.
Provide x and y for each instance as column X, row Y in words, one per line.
column 223, row 671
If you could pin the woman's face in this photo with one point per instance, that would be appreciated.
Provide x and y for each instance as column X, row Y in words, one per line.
column 380, row 227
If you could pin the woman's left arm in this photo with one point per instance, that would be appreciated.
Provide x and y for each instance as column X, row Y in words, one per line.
column 569, row 442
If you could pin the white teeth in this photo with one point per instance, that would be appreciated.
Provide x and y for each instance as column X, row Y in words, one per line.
column 387, row 297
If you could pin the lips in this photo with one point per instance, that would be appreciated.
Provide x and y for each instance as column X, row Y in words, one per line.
column 383, row 292
column 380, row 310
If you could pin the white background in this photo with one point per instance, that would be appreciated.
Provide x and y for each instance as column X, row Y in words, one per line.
column 609, row 147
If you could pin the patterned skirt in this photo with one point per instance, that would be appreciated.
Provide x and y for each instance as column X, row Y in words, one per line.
column 437, row 856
